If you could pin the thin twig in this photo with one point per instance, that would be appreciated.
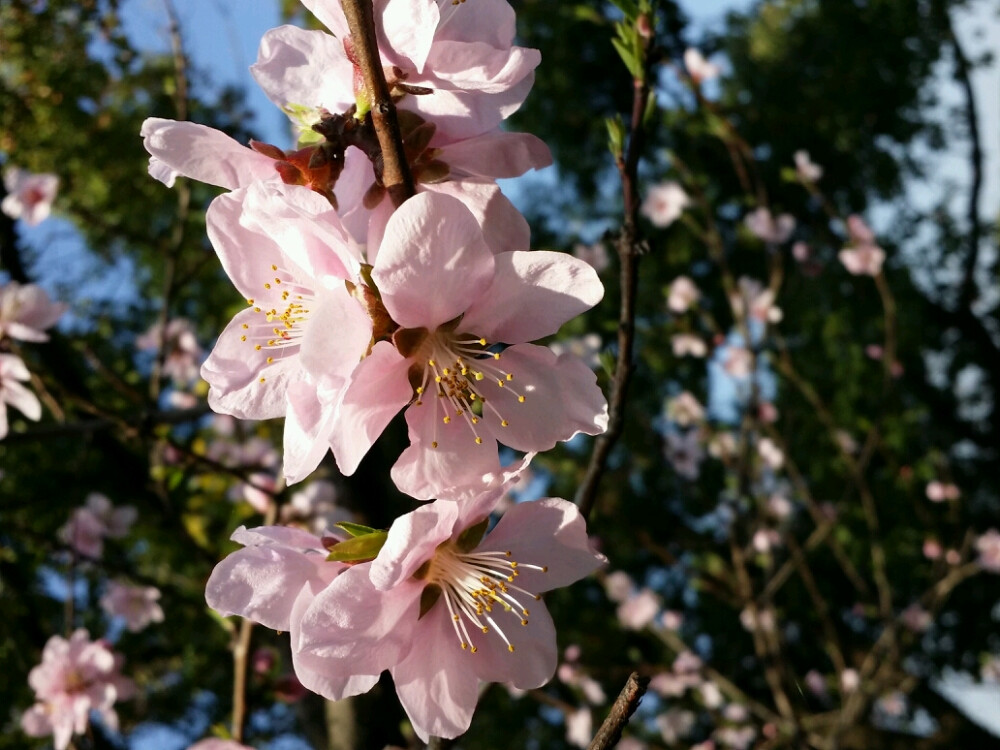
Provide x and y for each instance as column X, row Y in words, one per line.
column 629, row 248
column 624, row 706
column 396, row 174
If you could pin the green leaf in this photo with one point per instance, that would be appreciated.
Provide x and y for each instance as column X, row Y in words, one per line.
column 616, row 135
column 355, row 529
column 629, row 58
column 358, row 549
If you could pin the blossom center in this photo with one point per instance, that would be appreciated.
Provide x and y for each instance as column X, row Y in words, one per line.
column 454, row 369
column 478, row 587
column 277, row 328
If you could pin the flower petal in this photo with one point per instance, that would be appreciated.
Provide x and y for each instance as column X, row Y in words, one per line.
column 411, row 542
column 443, row 460
column 306, row 68
column 561, row 399
column 432, row 262
column 532, row 295
column 379, row 389
column 549, row 532
column 201, row 153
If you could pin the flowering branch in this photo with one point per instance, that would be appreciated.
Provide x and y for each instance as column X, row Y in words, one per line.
column 624, row 706
column 396, row 174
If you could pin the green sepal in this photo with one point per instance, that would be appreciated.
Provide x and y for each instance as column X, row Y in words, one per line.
column 358, row 549
column 428, row 598
column 616, row 135
column 355, row 529
column 469, row 539
column 629, row 57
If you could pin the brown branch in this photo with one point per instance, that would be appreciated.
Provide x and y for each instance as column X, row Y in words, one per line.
column 624, row 706
column 396, row 174
column 629, row 248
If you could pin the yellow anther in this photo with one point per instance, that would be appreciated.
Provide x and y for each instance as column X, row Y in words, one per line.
column 472, row 397
column 504, row 423
column 257, row 309
column 257, row 347
column 496, row 355
column 465, row 371
column 474, row 649
column 479, row 440
column 482, row 342
column 420, row 389
column 267, row 286
column 263, row 379
column 274, row 267
column 479, row 376
column 510, row 376
column 510, row 648
column 524, row 622
column 270, row 360
column 277, row 280
column 465, row 646
column 525, row 612
column 545, row 568
column 475, row 420
column 446, row 371
column 434, row 444
column 485, row 629
column 520, row 399
column 437, row 379
column 245, row 325
column 431, row 363
column 447, row 420
column 250, row 300
column 243, row 338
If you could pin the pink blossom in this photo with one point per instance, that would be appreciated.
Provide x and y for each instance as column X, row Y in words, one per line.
column 779, row 506
column 272, row 581
column 698, row 67
column 738, row 738
column 764, row 540
column 685, row 409
column 639, row 610
column 932, row 549
column 754, row 299
column 722, row 446
column 769, row 452
column 675, row 724
column 587, row 348
column 688, row 344
column 938, row 492
column 438, row 370
column 664, row 203
column 894, row 704
column 75, row 677
column 953, row 557
column 618, row 586
column 12, row 373
column 258, row 491
column 682, row 295
column 757, row 619
column 671, row 619
column 801, row 252
column 988, row 546
column 767, row 412
column 916, row 618
column 805, row 168
column 139, row 605
column 737, row 361
column 579, row 727
column 444, row 611
column 685, row 454
column 314, row 507
column 849, row 680
column 711, row 695
column 768, row 228
column 816, row 683
column 859, row 232
column 26, row 311
column 736, row 713
column 864, row 260
column 182, row 352
column 596, row 255
column 29, row 196
column 95, row 521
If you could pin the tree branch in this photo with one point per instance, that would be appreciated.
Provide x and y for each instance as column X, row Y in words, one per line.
column 624, row 706
column 396, row 174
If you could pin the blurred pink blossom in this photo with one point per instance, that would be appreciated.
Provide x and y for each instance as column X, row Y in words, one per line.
column 12, row 373
column 737, row 361
column 988, row 547
column 849, row 680
column 688, row 344
column 639, row 610
column 139, row 605
column 664, row 203
column 805, row 168
column 768, row 228
column 29, row 196
column 683, row 293
column 596, row 255
column 932, row 549
column 698, row 67
column 579, row 727
column 770, row 453
column 75, row 677
column 95, row 521
column 685, row 409
column 675, row 724
column 685, row 454
column 938, row 492
column 916, row 618
column 26, row 311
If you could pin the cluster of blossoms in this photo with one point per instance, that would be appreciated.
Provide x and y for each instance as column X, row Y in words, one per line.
column 25, row 312
column 359, row 309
